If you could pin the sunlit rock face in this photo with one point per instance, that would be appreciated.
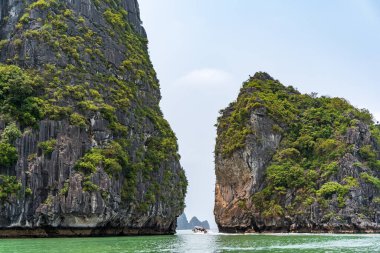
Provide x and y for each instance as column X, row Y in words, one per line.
column 93, row 153
column 290, row 162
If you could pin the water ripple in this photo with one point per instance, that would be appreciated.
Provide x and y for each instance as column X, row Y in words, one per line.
column 188, row 242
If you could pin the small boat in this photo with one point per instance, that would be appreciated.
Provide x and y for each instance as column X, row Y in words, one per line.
column 199, row 230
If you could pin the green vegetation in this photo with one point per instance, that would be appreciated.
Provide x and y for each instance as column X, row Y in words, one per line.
column 11, row 133
column 117, row 19
column 328, row 189
column 48, row 146
column 3, row 43
column 371, row 179
column 18, row 99
column 8, row 155
column 65, row 188
column 89, row 186
column 9, row 186
column 369, row 155
column 57, row 92
column 312, row 146
column 112, row 158
column 28, row 191
column 42, row 4
column 78, row 120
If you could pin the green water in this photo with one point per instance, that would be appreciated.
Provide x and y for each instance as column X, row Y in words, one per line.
column 187, row 242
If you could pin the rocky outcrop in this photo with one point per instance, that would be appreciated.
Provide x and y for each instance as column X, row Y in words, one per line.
column 195, row 222
column 93, row 153
column 289, row 162
column 184, row 224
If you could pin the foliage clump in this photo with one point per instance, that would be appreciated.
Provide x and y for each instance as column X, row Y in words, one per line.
column 112, row 158
column 9, row 187
column 11, row 133
column 48, row 146
column 18, row 100
column 8, row 155
column 371, row 179
column 8, row 152
column 42, row 4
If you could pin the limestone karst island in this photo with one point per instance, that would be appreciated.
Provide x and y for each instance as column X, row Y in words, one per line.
column 290, row 162
column 84, row 147
column 99, row 153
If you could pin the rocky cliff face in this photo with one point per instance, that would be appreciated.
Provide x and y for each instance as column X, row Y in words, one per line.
column 288, row 162
column 84, row 148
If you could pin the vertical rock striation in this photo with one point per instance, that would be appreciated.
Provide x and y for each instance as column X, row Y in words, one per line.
column 86, row 150
column 289, row 162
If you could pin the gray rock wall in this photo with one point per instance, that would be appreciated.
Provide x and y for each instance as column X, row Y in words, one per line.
column 241, row 175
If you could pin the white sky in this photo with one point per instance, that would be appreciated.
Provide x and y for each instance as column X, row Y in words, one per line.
column 203, row 50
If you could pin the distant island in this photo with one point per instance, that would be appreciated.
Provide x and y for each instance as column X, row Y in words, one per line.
column 184, row 224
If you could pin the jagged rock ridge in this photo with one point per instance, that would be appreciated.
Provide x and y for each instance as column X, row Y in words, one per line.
column 292, row 162
column 184, row 224
column 85, row 149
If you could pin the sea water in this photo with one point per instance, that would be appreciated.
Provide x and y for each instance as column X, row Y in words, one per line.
column 185, row 241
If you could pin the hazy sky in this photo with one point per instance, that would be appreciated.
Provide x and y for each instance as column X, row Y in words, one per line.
column 204, row 49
